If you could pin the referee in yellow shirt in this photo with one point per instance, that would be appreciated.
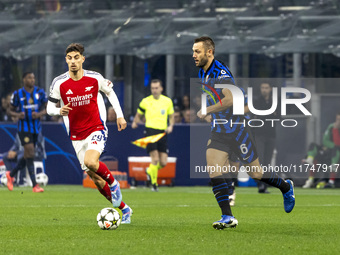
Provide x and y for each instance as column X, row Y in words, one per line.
column 157, row 109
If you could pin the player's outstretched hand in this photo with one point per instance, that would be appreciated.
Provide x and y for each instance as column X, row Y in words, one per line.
column 64, row 111
column 121, row 124
column 201, row 115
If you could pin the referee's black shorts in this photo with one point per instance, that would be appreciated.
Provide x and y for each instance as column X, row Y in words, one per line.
column 161, row 145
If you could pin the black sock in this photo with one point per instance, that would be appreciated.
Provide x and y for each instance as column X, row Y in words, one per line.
column 20, row 165
column 230, row 182
column 30, row 168
column 273, row 179
column 220, row 189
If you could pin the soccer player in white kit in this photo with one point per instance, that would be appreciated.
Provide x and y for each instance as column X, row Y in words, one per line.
column 84, row 114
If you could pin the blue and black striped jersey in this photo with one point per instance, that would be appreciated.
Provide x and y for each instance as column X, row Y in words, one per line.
column 219, row 73
column 27, row 102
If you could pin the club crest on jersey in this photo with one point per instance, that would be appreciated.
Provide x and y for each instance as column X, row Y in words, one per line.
column 31, row 101
column 88, row 88
column 162, row 111
column 108, row 83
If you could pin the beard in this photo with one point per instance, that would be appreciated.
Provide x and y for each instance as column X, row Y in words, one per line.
column 203, row 61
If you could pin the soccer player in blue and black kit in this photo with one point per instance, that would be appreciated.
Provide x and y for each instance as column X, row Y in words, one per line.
column 226, row 138
column 28, row 104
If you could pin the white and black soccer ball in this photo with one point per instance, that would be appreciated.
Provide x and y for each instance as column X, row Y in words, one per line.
column 3, row 179
column 108, row 219
column 41, row 179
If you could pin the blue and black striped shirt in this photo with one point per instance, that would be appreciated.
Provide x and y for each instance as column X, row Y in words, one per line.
column 219, row 73
column 27, row 102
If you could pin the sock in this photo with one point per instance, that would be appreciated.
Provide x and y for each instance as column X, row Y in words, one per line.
column 273, row 179
column 122, row 205
column 106, row 192
column 220, row 190
column 229, row 181
column 105, row 173
column 30, row 168
column 21, row 164
column 153, row 172
column 231, row 187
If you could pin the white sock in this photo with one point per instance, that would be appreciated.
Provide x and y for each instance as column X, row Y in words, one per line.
column 114, row 183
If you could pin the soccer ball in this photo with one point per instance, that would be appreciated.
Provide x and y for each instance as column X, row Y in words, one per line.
column 3, row 179
column 41, row 179
column 108, row 219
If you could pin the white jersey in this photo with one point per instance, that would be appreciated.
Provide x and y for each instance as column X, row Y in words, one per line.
column 88, row 112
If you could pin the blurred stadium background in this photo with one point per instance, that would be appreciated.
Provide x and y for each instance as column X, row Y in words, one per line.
column 131, row 42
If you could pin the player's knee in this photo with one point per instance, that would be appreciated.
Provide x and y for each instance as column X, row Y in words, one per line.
column 91, row 164
column 162, row 163
column 29, row 154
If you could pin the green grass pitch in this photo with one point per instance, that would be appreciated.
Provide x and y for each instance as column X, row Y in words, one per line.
column 62, row 220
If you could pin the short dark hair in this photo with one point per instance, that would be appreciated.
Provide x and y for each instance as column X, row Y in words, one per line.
column 75, row 47
column 208, row 43
column 156, row 80
column 25, row 74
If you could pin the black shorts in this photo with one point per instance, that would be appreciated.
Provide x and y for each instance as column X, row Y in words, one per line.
column 161, row 145
column 26, row 138
column 240, row 143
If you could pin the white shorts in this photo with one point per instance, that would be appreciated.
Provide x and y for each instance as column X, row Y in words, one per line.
column 95, row 141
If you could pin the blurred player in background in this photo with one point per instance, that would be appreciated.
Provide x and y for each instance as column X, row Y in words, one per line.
column 316, row 154
column 226, row 139
column 28, row 104
column 15, row 155
column 84, row 113
column 265, row 136
column 157, row 109
column 330, row 149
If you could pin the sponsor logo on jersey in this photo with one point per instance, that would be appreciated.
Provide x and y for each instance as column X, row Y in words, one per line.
column 31, row 106
column 88, row 88
column 69, row 92
column 223, row 76
column 94, row 142
column 37, row 96
column 31, row 101
column 223, row 72
column 79, row 98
